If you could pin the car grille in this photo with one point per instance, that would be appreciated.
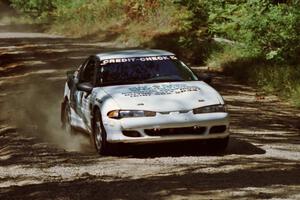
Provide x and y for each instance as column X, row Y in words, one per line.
column 176, row 131
column 217, row 129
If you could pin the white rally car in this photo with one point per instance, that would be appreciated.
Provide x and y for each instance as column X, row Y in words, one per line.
column 142, row 96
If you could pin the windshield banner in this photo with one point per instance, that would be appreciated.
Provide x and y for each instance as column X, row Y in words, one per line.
column 141, row 59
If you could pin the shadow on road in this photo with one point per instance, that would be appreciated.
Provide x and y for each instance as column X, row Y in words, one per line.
column 190, row 182
column 32, row 151
column 259, row 117
column 179, row 149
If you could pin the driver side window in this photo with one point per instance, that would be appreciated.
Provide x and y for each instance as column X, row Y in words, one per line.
column 88, row 72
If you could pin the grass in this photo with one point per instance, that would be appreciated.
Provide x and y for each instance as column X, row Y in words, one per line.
column 134, row 26
column 280, row 79
column 142, row 31
column 15, row 19
column 81, row 19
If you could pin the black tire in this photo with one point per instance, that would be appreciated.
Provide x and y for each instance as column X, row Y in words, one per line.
column 66, row 125
column 218, row 145
column 99, row 135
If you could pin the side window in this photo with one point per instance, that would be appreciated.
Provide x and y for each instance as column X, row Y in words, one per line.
column 81, row 67
column 88, row 72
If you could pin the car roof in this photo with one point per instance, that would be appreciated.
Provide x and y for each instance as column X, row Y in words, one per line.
column 133, row 53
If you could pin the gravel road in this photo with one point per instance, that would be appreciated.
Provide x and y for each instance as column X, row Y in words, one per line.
column 39, row 161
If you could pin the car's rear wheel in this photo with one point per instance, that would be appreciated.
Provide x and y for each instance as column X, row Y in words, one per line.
column 218, row 145
column 99, row 135
column 66, row 123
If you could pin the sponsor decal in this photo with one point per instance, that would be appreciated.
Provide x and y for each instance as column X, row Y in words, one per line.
column 141, row 59
column 159, row 90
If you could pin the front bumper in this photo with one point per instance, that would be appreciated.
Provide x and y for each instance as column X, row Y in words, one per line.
column 170, row 127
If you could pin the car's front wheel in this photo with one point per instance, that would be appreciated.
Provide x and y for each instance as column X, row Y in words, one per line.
column 99, row 135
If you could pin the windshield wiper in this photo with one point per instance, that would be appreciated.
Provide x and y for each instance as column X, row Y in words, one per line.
column 121, row 83
column 162, row 79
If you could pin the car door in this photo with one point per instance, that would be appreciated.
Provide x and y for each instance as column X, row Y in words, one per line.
column 88, row 75
column 75, row 94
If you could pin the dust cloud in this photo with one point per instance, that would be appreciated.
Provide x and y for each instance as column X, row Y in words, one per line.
column 35, row 111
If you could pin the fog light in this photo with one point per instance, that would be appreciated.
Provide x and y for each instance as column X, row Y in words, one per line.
column 131, row 133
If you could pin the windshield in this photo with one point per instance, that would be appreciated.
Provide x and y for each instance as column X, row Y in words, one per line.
column 144, row 70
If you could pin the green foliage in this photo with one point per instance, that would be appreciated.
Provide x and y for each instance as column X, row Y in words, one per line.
column 267, row 29
column 194, row 37
column 79, row 18
column 262, row 27
column 198, row 15
column 280, row 79
column 277, row 78
column 142, row 9
column 34, row 8
column 266, row 48
column 136, row 20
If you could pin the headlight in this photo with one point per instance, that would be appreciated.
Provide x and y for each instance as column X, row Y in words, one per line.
column 210, row 109
column 118, row 114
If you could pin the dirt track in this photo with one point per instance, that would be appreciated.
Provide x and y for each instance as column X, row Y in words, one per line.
column 38, row 161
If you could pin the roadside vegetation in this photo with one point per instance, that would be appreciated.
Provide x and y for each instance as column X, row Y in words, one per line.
column 256, row 41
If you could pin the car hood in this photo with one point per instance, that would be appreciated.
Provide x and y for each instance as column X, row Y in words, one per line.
column 162, row 97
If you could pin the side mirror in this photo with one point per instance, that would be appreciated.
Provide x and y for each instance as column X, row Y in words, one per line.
column 70, row 74
column 86, row 87
column 206, row 78
column 70, row 78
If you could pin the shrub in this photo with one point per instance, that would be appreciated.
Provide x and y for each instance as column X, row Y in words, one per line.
column 265, row 28
column 34, row 8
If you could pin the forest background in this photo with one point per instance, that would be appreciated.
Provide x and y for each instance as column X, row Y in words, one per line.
column 255, row 41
